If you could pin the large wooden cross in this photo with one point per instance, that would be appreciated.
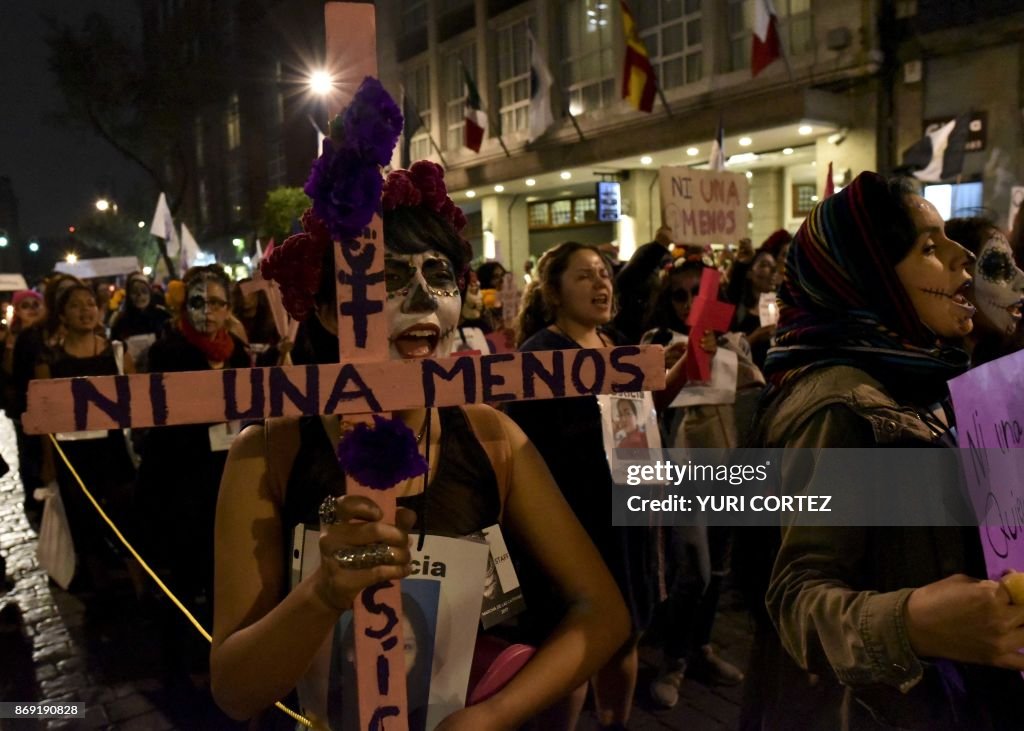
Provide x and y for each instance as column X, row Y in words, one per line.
column 364, row 383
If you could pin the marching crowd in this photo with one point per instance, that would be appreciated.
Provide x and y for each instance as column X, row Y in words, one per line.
column 855, row 627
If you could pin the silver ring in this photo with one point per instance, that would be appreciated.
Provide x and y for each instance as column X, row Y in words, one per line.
column 329, row 511
column 365, row 557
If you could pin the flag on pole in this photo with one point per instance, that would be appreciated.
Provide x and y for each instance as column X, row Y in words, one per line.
column 412, row 124
column 639, row 84
column 476, row 120
column 541, row 81
column 765, row 45
column 830, row 186
column 939, row 155
column 320, row 137
column 163, row 226
column 189, row 248
column 717, row 160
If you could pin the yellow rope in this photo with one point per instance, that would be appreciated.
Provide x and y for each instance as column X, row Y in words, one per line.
column 163, row 587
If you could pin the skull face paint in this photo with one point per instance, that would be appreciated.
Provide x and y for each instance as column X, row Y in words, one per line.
column 423, row 304
column 934, row 274
column 998, row 285
column 206, row 306
column 139, row 294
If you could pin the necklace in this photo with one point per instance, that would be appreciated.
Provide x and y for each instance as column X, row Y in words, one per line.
column 423, row 427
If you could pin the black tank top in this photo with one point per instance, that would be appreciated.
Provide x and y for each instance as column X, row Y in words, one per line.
column 462, row 498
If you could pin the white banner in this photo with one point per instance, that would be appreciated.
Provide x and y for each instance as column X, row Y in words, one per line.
column 110, row 266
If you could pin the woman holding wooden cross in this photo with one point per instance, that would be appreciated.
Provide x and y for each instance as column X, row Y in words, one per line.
column 480, row 470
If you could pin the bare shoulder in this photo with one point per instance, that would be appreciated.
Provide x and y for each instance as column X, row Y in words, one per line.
column 490, row 423
column 269, row 447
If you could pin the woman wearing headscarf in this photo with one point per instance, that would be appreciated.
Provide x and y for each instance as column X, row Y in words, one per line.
column 872, row 309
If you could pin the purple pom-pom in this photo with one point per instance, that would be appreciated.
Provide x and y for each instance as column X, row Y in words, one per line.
column 373, row 122
column 383, row 456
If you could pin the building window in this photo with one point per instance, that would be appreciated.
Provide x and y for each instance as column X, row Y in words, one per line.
column 672, row 32
column 588, row 65
column 235, row 191
column 455, row 92
column 204, row 203
column 233, row 123
column 805, row 195
column 740, row 21
column 796, row 26
column 277, row 169
column 514, row 76
column 198, row 133
column 414, row 16
column 563, row 213
column 417, row 88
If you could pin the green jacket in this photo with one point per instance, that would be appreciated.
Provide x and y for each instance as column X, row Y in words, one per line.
column 837, row 595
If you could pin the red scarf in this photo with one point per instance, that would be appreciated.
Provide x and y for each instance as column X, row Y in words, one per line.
column 217, row 349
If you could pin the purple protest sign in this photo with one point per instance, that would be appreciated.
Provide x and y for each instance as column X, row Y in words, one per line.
column 989, row 405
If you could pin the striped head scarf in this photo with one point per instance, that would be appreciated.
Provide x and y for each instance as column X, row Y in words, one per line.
column 841, row 302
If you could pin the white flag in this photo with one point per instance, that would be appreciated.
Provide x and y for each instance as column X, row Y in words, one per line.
column 258, row 256
column 163, row 226
column 541, row 81
column 189, row 249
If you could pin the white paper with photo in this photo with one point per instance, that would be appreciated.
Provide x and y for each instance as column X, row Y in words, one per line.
column 628, row 421
column 457, row 568
column 720, row 390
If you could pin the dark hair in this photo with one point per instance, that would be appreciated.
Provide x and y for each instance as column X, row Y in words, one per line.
column 53, row 284
column 628, row 402
column 209, row 273
column 664, row 312
column 65, row 295
column 970, row 232
column 407, row 230
column 897, row 228
column 486, row 271
column 537, row 310
column 739, row 290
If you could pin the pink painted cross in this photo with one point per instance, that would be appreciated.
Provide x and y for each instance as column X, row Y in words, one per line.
column 706, row 313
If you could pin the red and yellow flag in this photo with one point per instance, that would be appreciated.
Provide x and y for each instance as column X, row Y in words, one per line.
column 638, row 81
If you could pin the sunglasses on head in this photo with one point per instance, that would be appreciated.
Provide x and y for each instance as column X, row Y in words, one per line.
column 29, row 304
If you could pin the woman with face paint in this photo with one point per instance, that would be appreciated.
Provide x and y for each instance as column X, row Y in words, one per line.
column 100, row 458
column 181, row 465
column 997, row 289
column 269, row 637
column 873, row 308
column 139, row 317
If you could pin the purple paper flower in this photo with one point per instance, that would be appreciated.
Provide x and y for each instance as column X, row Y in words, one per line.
column 345, row 182
column 372, row 122
column 383, row 456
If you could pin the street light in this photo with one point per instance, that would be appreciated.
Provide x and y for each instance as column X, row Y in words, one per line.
column 102, row 205
column 33, row 246
column 239, row 243
column 71, row 258
column 320, row 82
column 3, row 242
column 142, row 224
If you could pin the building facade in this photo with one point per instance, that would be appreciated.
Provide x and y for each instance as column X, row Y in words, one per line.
column 860, row 82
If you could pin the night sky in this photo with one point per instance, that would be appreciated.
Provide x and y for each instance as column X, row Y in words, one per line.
column 56, row 173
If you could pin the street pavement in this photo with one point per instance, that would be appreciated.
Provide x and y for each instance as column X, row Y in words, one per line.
column 123, row 659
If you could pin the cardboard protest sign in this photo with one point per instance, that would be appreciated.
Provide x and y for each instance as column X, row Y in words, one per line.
column 704, row 206
column 989, row 405
column 110, row 266
column 12, row 282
